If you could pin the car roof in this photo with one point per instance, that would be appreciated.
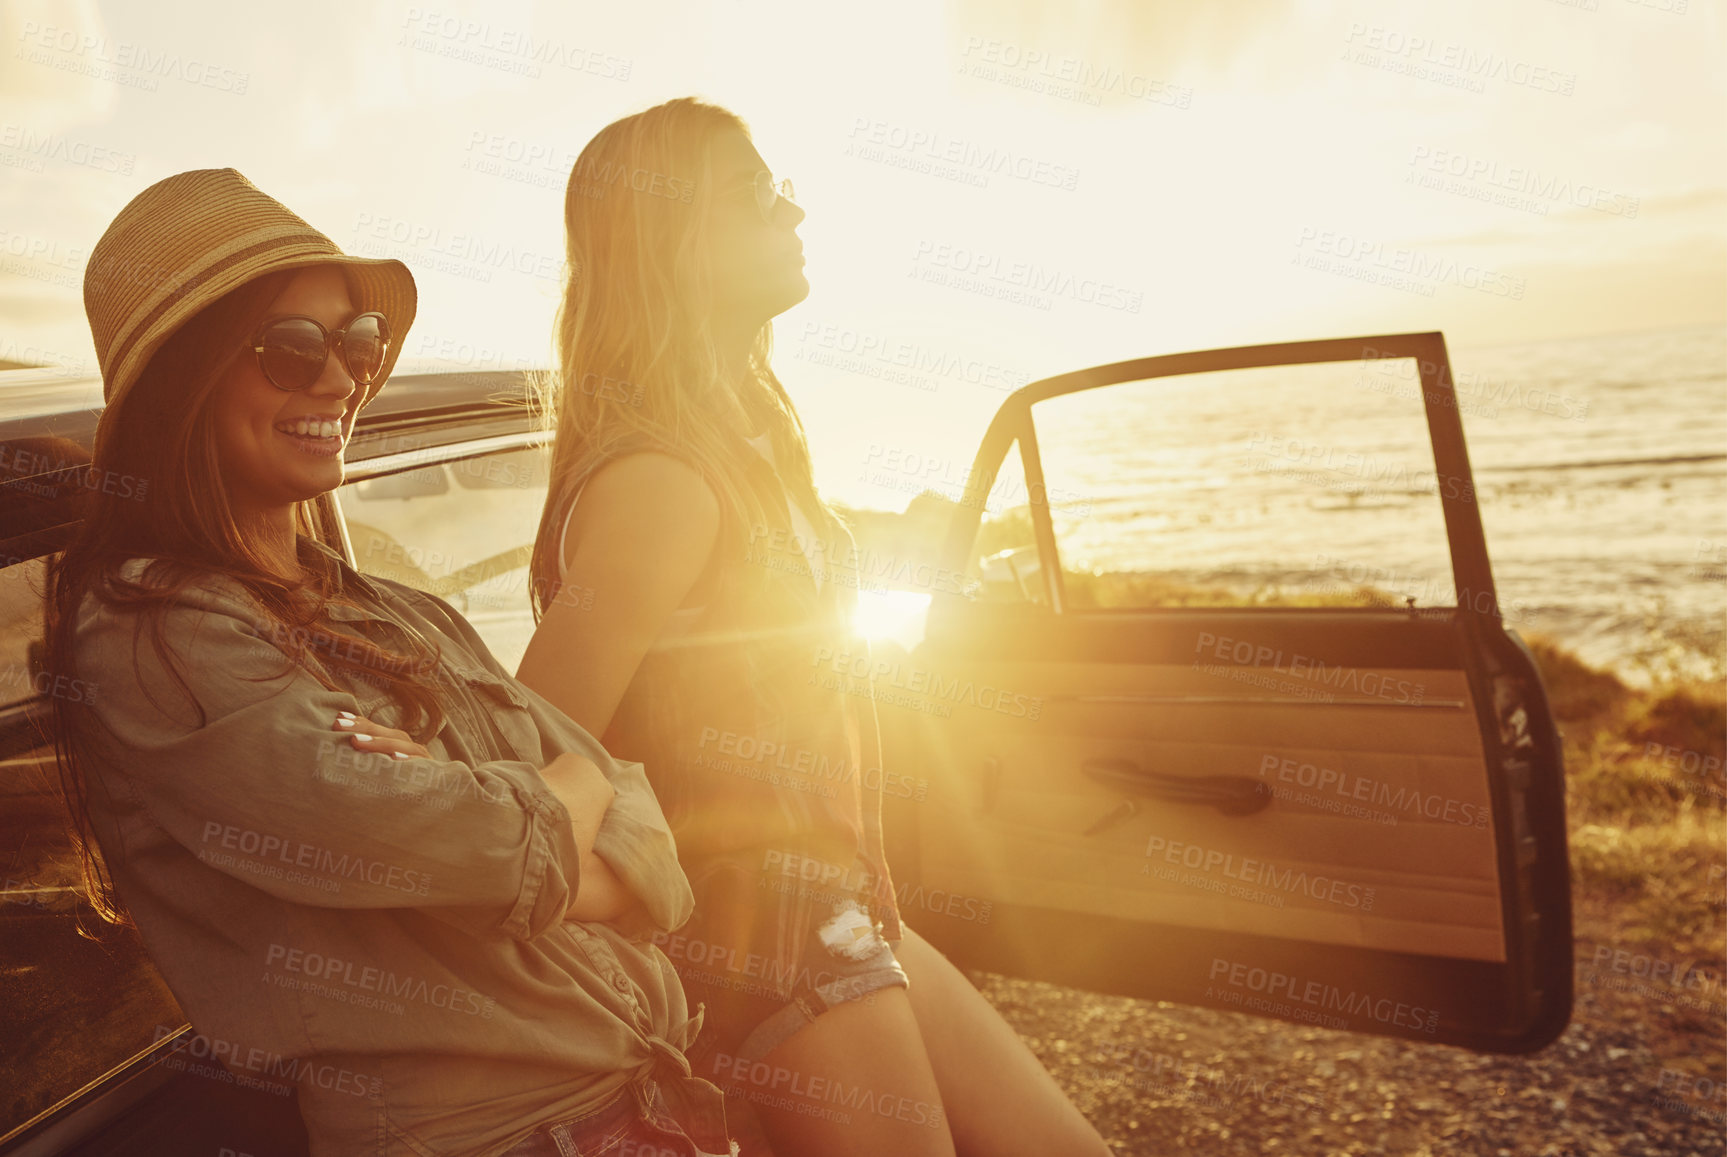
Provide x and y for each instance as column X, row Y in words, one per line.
column 48, row 428
column 49, row 402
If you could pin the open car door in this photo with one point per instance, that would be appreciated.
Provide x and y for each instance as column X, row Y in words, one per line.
column 1225, row 712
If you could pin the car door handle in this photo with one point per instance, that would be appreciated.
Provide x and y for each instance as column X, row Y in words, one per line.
column 1233, row 795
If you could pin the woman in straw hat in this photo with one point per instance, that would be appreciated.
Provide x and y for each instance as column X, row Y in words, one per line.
column 366, row 860
column 682, row 502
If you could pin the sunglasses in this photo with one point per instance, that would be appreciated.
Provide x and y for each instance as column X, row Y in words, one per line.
column 768, row 193
column 292, row 351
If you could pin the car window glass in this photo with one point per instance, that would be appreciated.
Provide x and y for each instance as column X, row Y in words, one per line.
column 462, row 530
column 1305, row 485
column 21, row 675
column 1004, row 559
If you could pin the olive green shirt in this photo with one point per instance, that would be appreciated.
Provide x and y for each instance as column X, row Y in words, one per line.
column 388, row 935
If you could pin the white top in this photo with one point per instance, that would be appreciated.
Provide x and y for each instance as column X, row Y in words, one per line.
column 683, row 618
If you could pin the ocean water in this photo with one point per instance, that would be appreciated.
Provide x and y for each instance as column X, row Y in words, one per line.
column 1600, row 468
column 1612, row 529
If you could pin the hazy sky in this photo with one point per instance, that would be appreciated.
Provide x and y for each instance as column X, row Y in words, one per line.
column 995, row 191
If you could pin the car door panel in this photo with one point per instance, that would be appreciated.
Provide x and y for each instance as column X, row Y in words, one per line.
column 1417, row 884
column 1329, row 815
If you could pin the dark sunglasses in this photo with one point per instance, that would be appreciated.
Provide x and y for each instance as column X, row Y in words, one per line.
column 292, row 351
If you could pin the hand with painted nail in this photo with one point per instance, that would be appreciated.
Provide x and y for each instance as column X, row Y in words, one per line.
column 370, row 736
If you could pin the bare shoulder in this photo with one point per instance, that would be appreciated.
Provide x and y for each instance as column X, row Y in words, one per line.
column 650, row 482
column 648, row 503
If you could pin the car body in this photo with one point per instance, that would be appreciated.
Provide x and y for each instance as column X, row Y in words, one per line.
column 1328, row 810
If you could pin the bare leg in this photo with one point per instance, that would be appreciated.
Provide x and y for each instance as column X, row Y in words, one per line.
column 1001, row 1102
column 862, row 1062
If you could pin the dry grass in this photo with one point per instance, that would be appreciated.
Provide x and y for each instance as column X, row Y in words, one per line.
column 1646, row 800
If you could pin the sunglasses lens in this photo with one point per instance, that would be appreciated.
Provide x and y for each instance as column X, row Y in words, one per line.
column 293, row 353
column 364, row 347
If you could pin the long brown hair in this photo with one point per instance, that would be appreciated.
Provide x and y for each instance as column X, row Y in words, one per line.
column 638, row 367
column 162, row 437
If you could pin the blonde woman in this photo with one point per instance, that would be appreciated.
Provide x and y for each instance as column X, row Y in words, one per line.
column 310, row 790
column 682, row 602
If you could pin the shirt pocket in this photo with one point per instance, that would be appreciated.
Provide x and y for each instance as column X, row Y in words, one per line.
column 504, row 704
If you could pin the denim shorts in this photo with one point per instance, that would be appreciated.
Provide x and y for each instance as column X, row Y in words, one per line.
column 749, row 1020
column 675, row 1118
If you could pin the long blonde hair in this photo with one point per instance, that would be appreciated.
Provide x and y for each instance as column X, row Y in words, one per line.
column 638, row 366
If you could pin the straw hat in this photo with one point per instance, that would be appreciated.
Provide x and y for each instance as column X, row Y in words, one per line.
column 190, row 238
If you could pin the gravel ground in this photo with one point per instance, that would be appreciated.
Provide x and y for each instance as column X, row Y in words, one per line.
column 1157, row 1078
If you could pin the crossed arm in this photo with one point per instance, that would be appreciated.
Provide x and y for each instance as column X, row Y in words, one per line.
column 576, row 781
column 255, row 785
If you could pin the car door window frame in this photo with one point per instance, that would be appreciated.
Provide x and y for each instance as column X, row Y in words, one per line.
column 333, row 529
column 1466, row 538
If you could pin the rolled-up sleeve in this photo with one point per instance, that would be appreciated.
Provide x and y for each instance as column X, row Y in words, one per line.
column 262, row 788
column 637, row 844
column 633, row 838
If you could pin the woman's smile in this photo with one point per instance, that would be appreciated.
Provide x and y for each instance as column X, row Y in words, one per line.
column 322, row 436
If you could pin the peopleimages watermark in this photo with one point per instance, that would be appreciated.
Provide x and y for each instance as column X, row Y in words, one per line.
column 1382, row 371
column 1706, row 767
column 29, row 150
column 470, row 255
column 546, row 164
column 1709, row 560
column 1244, row 653
column 444, row 351
column 1397, row 266
column 542, row 164
column 880, row 677
column 814, row 1091
column 1688, row 1093
column 39, row 359
column 789, row 766
column 830, row 881
column 1020, row 282
column 298, row 862
column 436, row 783
column 21, row 466
column 1287, row 995
column 239, row 1061
column 1448, row 62
column 718, row 965
column 915, row 364
column 898, row 468
column 595, row 180
column 1513, row 186
column 346, row 648
column 934, row 153
column 842, row 561
column 1353, row 471
column 1250, row 876
column 1351, row 574
column 1354, row 791
column 20, row 680
column 503, row 48
column 1681, row 983
column 44, row 259
column 1065, row 77
column 366, row 986
column 123, row 62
